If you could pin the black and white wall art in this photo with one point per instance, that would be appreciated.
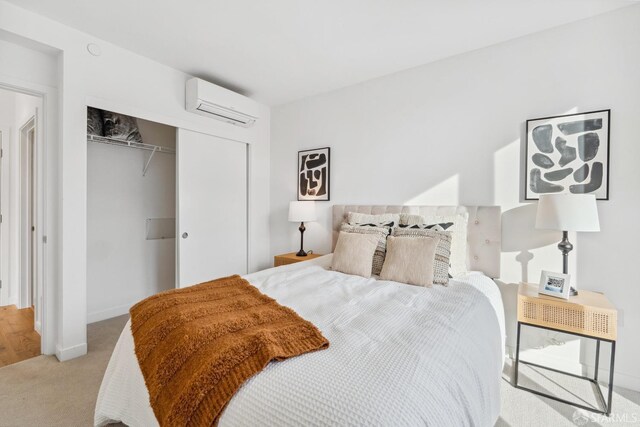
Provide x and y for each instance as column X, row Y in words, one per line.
column 313, row 174
column 568, row 154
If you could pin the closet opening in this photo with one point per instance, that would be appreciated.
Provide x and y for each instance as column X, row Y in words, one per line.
column 131, row 211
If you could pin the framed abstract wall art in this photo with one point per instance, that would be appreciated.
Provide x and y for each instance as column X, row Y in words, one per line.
column 313, row 174
column 568, row 154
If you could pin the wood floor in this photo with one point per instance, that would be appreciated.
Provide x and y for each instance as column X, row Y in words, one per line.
column 18, row 339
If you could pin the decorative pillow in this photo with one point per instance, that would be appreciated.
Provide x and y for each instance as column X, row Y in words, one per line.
column 438, row 227
column 361, row 218
column 443, row 250
column 388, row 224
column 380, row 233
column 119, row 126
column 353, row 253
column 459, row 242
column 94, row 122
column 410, row 260
column 411, row 219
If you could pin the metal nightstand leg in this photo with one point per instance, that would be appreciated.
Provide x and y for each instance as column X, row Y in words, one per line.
column 515, row 376
column 606, row 405
column 613, row 359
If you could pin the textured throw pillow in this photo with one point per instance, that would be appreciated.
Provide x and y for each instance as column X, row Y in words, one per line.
column 95, row 125
column 361, row 218
column 443, row 250
column 353, row 253
column 381, row 233
column 410, row 260
column 459, row 242
column 119, row 126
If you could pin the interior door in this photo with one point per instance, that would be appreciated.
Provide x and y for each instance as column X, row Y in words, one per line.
column 211, row 208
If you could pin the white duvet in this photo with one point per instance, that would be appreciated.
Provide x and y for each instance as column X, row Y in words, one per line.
column 399, row 355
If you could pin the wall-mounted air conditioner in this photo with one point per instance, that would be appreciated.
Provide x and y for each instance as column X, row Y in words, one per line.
column 218, row 103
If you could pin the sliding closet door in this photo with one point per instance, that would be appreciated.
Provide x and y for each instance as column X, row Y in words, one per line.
column 212, row 208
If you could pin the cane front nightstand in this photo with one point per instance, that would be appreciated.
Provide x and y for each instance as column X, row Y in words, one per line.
column 588, row 315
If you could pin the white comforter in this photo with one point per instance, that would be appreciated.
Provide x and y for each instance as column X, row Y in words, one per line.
column 399, row 355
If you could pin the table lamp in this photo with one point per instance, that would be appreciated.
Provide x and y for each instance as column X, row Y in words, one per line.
column 303, row 211
column 567, row 212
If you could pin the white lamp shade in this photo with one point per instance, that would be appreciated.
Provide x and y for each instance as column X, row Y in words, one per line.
column 568, row 212
column 303, row 211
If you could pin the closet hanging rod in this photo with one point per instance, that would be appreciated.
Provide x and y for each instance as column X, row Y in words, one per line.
column 130, row 144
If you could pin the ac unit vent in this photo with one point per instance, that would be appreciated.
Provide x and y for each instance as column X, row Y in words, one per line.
column 227, row 115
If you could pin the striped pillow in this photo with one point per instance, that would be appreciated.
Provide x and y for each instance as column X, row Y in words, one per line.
column 443, row 250
column 437, row 227
column 459, row 240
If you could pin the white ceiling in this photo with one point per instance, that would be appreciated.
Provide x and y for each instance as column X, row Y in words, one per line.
column 278, row 51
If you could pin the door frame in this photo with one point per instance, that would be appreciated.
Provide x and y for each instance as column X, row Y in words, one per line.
column 45, row 169
column 27, row 158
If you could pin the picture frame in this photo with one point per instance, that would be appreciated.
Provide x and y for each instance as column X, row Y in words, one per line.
column 314, row 174
column 554, row 284
column 568, row 154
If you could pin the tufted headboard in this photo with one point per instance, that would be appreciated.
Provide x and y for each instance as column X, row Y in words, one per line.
column 483, row 231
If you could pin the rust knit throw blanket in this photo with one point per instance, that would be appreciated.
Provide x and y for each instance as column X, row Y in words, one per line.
column 196, row 346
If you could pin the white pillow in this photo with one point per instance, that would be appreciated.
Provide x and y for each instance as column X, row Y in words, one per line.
column 410, row 260
column 362, row 218
column 459, row 232
column 354, row 253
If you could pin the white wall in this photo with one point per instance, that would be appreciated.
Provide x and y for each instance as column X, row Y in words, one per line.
column 28, row 62
column 122, row 81
column 122, row 266
column 450, row 133
column 8, row 293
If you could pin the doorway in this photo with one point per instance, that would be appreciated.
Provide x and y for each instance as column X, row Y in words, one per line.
column 21, row 284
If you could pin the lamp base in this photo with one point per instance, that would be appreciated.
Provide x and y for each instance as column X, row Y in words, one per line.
column 301, row 252
column 565, row 247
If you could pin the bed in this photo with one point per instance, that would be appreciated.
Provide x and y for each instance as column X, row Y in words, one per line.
column 399, row 354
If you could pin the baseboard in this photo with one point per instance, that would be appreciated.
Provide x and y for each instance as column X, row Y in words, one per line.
column 109, row 313
column 620, row 379
column 64, row 354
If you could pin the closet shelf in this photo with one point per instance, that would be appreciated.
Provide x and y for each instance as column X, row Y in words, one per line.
column 130, row 144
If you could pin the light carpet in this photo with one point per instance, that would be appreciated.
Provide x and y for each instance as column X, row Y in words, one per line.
column 44, row 392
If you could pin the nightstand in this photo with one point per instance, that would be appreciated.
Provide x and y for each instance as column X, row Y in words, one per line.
column 291, row 258
column 588, row 315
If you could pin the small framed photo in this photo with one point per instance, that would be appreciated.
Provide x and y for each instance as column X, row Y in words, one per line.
column 554, row 284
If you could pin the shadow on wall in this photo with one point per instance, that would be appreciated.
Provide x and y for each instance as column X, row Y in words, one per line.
column 519, row 234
